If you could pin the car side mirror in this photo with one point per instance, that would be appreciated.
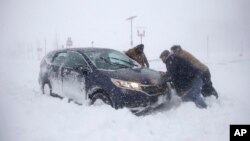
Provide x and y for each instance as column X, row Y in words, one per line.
column 82, row 69
column 85, row 70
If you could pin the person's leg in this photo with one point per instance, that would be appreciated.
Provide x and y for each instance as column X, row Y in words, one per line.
column 200, row 102
column 207, row 86
column 205, row 91
column 165, row 84
column 194, row 94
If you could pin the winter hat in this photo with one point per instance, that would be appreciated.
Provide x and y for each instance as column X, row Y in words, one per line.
column 176, row 48
column 139, row 48
column 164, row 53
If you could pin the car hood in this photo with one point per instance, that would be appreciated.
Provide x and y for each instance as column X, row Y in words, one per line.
column 141, row 75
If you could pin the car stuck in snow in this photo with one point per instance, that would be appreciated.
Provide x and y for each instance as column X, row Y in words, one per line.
column 91, row 75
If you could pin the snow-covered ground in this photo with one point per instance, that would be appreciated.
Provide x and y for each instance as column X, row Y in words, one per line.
column 26, row 115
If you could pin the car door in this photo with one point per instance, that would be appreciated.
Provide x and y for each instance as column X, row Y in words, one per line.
column 55, row 72
column 74, row 73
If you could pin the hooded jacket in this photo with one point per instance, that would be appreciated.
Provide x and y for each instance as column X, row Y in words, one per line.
column 194, row 61
column 138, row 57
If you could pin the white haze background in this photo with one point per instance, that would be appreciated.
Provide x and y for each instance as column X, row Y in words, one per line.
column 222, row 25
column 215, row 31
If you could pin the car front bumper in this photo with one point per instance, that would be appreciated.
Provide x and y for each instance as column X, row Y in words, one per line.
column 138, row 100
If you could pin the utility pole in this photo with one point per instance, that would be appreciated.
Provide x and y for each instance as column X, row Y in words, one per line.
column 39, row 50
column 92, row 43
column 207, row 46
column 45, row 44
column 69, row 42
column 141, row 34
column 31, row 51
column 131, row 20
column 56, row 41
column 242, row 47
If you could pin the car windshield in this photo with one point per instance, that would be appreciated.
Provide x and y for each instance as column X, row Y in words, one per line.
column 110, row 60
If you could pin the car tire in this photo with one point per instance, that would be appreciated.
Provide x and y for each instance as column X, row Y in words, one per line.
column 99, row 96
column 47, row 89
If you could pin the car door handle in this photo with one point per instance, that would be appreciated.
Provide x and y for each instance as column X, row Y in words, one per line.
column 66, row 71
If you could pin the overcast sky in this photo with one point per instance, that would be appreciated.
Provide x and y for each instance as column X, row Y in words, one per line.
column 191, row 23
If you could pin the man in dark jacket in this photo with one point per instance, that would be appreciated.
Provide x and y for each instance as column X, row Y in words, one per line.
column 186, row 78
column 138, row 55
column 207, row 86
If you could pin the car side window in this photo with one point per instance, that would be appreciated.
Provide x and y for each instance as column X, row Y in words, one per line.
column 59, row 59
column 48, row 58
column 75, row 59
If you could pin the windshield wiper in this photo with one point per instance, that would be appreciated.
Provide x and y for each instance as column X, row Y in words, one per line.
column 123, row 61
column 120, row 65
column 114, row 64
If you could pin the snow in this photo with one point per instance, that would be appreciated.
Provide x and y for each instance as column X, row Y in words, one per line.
column 27, row 115
column 216, row 32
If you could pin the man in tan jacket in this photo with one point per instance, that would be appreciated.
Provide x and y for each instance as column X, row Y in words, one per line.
column 207, row 87
column 138, row 55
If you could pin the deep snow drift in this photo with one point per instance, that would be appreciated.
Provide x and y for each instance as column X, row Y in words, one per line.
column 26, row 115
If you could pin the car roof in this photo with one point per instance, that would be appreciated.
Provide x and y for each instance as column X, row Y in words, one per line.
column 52, row 53
column 83, row 49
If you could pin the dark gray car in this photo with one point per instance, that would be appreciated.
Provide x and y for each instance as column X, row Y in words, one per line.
column 91, row 74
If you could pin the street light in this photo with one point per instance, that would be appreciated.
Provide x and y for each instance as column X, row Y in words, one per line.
column 139, row 33
column 131, row 19
column 69, row 42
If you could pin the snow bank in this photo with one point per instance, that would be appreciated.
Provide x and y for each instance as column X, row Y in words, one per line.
column 26, row 115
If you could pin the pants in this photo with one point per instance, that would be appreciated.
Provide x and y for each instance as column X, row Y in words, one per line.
column 193, row 94
column 207, row 86
column 166, row 84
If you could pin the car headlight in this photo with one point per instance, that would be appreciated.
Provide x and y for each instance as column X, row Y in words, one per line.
column 126, row 84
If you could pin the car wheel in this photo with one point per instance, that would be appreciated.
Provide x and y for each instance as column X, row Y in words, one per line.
column 100, row 99
column 47, row 89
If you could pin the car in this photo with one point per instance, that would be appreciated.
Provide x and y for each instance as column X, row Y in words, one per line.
column 100, row 75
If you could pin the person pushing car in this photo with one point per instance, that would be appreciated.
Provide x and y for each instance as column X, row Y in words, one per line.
column 138, row 55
